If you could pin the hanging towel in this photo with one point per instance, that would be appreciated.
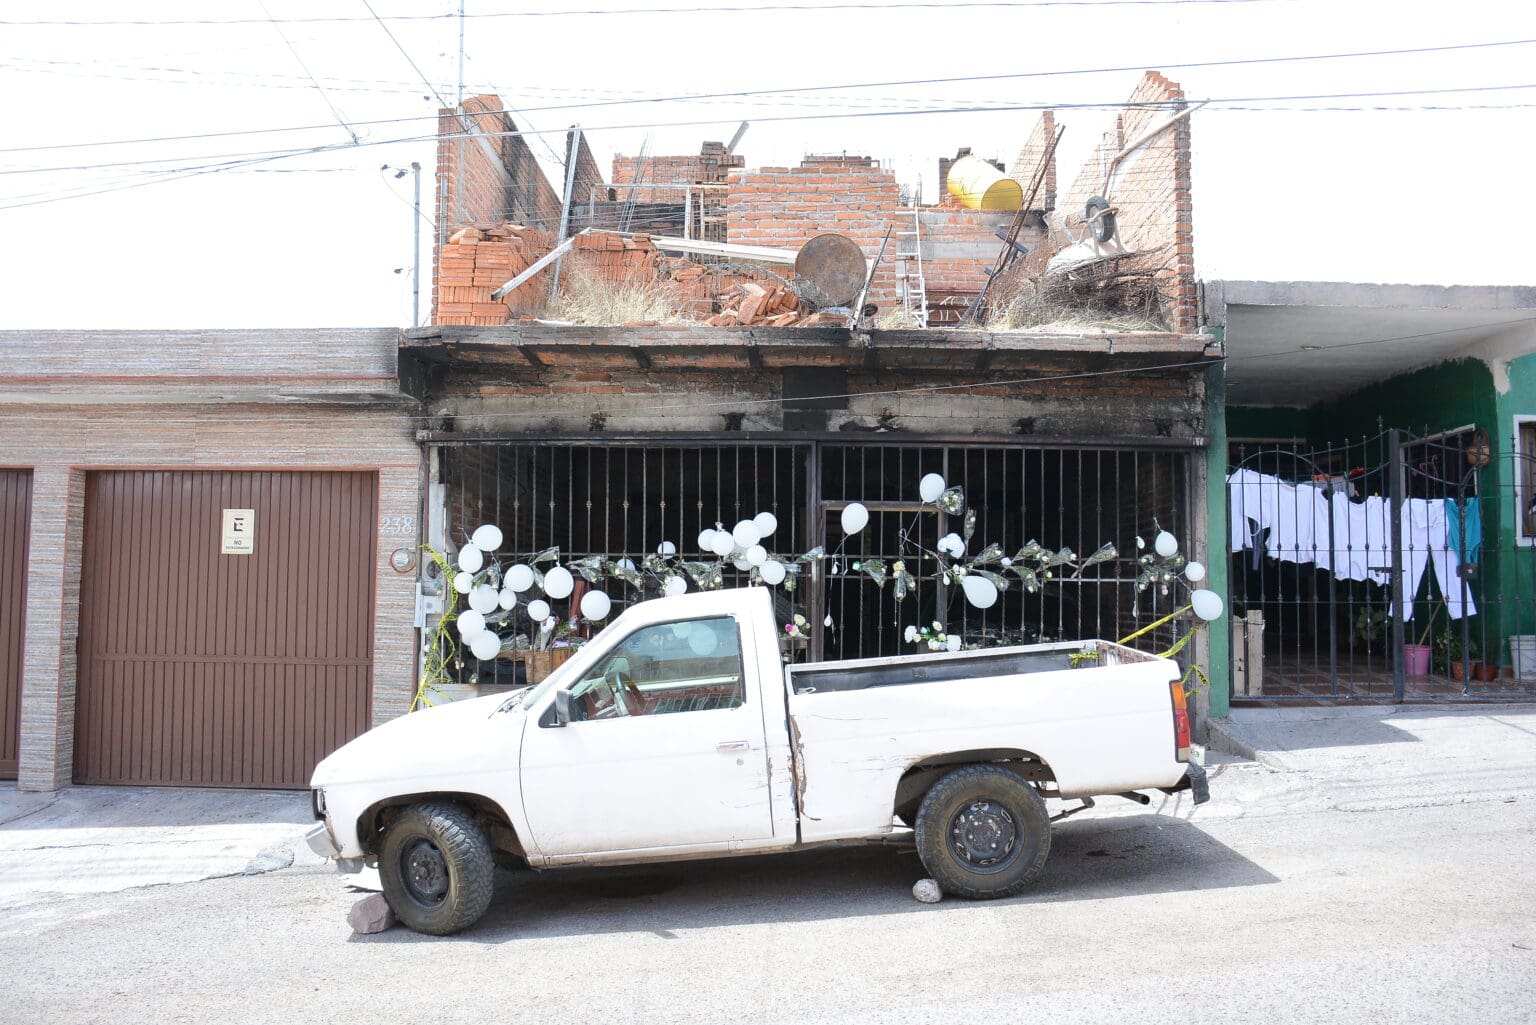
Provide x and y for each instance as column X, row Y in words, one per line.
column 1470, row 521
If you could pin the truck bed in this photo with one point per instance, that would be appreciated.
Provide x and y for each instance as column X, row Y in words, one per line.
column 863, row 674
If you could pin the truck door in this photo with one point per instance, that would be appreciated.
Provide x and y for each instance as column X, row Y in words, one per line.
column 664, row 748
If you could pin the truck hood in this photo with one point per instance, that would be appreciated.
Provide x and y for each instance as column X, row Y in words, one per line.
column 443, row 738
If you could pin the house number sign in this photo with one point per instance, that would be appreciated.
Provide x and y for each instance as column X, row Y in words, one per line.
column 239, row 533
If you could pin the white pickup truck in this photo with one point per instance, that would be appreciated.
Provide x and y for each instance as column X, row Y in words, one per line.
column 679, row 733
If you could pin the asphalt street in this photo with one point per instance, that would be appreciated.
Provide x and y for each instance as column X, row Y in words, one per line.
column 1344, row 877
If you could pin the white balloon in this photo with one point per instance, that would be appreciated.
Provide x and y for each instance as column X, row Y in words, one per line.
column 854, row 518
column 766, row 523
column 471, row 624
column 979, row 591
column 507, row 598
column 485, row 646
column 930, row 487
column 1195, row 572
column 745, row 534
column 1165, row 544
column 487, row 537
column 722, row 543
column 952, row 642
column 629, row 564
column 772, row 572
column 674, row 586
column 702, row 639
column 595, row 605
column 558, row 582
column 952, row 545
column 484, row 598
column 462, row 582
column 520, row 577
column 706, row 540
column 471, row 559
column 538, row 610
column 665, row 548
column 1208, row 604
column 756, row 555
column 741, row 563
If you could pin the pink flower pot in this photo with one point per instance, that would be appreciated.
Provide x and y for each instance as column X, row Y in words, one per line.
column 1416, row 659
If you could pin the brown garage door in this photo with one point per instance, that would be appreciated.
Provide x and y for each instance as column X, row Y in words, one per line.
column 15, row 522
column 203, row 668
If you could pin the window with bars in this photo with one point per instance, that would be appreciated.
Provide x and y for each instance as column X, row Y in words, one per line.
column 625, row 498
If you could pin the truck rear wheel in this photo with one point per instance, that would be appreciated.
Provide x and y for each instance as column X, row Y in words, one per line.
column 983, row 832
column 437, row 868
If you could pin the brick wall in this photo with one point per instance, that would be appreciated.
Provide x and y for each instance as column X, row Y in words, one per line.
column 704, row 397
column 711, row 165
column 1027, row 163
column 1151, row 192
column 76, row 401
column 487, row 178
column 785, row 207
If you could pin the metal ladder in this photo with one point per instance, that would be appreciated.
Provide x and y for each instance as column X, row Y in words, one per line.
column 909, row 250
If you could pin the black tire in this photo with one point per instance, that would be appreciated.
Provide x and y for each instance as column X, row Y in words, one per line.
column 437, row 868
column 983, row 833
column 1103, row 227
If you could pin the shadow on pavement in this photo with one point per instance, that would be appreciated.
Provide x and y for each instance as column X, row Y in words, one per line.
column 1090, row 860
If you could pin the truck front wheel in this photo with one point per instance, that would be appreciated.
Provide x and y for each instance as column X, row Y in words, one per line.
column 437, row 868
column 983, row 832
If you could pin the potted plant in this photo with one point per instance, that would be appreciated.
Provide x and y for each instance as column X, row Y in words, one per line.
column 1460, row 662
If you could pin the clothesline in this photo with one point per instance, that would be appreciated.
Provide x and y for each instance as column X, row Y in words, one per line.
column 1304, row 523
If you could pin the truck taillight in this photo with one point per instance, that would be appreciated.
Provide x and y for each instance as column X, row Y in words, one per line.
column 1181, row 739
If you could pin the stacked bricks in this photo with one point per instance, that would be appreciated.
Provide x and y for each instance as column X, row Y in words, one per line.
column 612, row 257
column 1150, row 192
column 488, row 179
column 477, row 261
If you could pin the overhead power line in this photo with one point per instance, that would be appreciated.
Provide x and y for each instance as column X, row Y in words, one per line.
column 796, row 90
column 1005, row 108
column 612, row 11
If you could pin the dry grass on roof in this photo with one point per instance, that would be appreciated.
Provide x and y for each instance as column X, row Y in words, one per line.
column 591, row 300
column 1067, row 303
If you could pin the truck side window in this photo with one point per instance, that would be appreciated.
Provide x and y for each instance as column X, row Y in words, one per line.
column 691, row 666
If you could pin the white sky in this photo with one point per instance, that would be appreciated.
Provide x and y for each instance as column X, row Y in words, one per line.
column 1417, row 196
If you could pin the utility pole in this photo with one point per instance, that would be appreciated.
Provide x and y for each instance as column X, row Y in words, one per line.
column 416, row 250
column 461, row 55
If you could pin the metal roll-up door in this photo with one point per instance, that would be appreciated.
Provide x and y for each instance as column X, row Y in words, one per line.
column 15, row 523
column 204, row 665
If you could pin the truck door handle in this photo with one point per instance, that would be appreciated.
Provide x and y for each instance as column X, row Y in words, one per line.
column 734, row 745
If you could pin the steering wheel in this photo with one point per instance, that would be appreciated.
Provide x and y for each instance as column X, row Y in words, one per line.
column 626, row 695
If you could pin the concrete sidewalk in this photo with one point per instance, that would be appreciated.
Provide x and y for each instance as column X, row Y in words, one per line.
column 1371, row 757
column 103, row 839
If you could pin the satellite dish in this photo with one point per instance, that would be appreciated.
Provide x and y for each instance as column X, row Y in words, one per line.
column 833, row 265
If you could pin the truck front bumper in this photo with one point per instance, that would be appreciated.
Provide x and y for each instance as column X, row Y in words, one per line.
column 319, row 840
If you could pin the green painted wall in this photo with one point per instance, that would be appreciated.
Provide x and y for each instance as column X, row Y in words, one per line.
column 1516, row 565
column 1437, row 398
column 1266, row 422
column 1220, row 634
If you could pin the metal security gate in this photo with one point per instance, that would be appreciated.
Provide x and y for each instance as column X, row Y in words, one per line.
column 624, row 497
column 201, row 665
column 15, row 525
column 1326, row 605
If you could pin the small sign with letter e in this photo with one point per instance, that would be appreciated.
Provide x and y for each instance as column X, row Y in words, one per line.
column 239, row 532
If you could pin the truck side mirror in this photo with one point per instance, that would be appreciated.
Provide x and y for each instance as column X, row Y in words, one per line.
column 562, row 707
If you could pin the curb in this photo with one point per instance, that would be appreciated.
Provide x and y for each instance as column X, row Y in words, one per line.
column 1224, row 736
